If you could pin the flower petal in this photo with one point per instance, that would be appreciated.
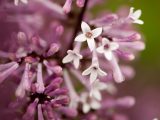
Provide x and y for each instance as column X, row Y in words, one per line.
column 96, row 32
column 97, row 95
column 131, row 10
column 86, row 108
column 101, row 72
column 95, row 104
column 85, row 27
column 100, row 49
column 137, row 14
column 91, row 44
column 105, row 41
column 76, row 62
column 114, row 45
column 108, row 55
column 93, row 76
column 80, row 38
column 67, row 58
column 87, row 71
column 139, row 22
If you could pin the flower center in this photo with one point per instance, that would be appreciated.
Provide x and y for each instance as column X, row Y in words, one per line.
column 107, row 46
column 88, row 34
column 94, row 68
column 41, row 97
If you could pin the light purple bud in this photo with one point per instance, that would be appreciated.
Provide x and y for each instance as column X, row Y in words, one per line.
column 80, row 3
column 67, row 6
column 40, row 113
column 9, row 69
column 30, row 110
column 59, row 30
column 53, row 49
column 126, row 55
column 59, row 91
column 117, row 74
column 22, row 37
column 126, row 101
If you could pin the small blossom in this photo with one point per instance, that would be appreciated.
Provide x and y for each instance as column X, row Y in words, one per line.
column 88, row 35
column 72, row 56
column 96, row 88
column 89, row 103
column 16, row 2
column 107, row 48
column 134, row 16
column 94, row 70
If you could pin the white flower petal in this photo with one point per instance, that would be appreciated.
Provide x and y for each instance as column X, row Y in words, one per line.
column 85, row 27
column 93, row 76
column 67, row 58
column 86, row 108
column 97, row 95
column 80, row 38
column 137, row 14
column 101, row 85
column 96, row 32
column 95, row 104
column 101, row 73
column 105, row 41
column 108, row 55
column 131, row 10
column 87, row 71
column 114, row 45
column 76, row 62
column 100, row 49
column 139, row 22
column 91, row 44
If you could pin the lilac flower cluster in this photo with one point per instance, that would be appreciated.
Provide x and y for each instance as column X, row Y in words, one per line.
column 50, row 40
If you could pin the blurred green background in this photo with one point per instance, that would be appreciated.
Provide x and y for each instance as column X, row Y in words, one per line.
column 148, row 65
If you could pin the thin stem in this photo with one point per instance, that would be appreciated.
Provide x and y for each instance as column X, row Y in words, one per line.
column 78, row 24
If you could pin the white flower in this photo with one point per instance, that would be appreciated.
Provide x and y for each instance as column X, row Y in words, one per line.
column 96, row 87
column 107, row 48
column 89, row 103
column 94, row 70
column 16, row 2
column 72, row 56
column 135, row 16
column 88, row 35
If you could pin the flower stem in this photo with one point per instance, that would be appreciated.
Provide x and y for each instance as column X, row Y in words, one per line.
column 78, row 24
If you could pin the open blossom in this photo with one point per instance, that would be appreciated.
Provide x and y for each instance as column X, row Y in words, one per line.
column 72, row 56
column 94, row 71
column 134, row 16
column 16, row 2
column 107, row 48
column 88, row 35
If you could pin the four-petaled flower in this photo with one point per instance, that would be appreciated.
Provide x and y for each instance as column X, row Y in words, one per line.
column 94, row 70
column 88, row 35
column 73, row 56
column 16, row 2
column 107, row 48
column 134, row 16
